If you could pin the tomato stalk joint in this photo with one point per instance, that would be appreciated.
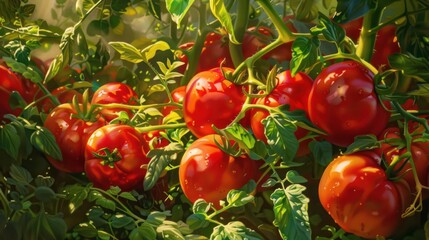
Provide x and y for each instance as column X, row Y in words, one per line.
column 108, row 157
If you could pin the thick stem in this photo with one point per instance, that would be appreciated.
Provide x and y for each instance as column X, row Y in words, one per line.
column 240, row 27
column 367, row 37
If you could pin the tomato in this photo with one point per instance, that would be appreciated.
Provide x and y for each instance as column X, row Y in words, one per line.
column 210, row 99
column 419, row 152
column 63, row 94
column 154, row 140
column 177, row 96
column 343, row 103
column 9, row 83
column 255, row 39
column 289, row 90
column 209, row 173
column 284, row 52
column 214, row 52
column 115, row 156
column 355, row 191
column 71, row 134
column 386, row 42
column 114, row 92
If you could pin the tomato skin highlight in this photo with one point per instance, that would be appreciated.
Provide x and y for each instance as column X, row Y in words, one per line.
column 71, row 135
column 114, row 92
column 289, row 90
column 127, row 172
column 343, row 103
column 210, row 99
column 209, row 173
column 355, row 191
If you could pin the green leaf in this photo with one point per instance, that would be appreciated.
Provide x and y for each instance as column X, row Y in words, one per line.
column 331, row 31
column 422, row 90
column 128, row 52
column 44, row 194
column 27, row 10
column 160, row 159
column 201, row 206
column 155, row 8
column 362, row 143
column 119, row 5
column 348, row 10
column 304, row 54
column 155, row 88
column 238, row 198
column 150, row 51
column 98, row 27
column 410, row 65
column 120, row 221
column 293, row 176
column 259, row 150
column 234, row 230
column 280, row 136
column 143, row 232
column 20, row 174
column 86, row 230
column 291, row 212
column 241, row 136
column 157, row 218
column 76, row 194
column 169, row 232
column 178, row 9
column 56, row 65
column 322, row 152
column 47, row 181
column 219, row 10
column 27, row 72
column 105, row 203
column 114, row 190
column 10, row 142
column 128, row 196
column 196, row 221
column 43, row 140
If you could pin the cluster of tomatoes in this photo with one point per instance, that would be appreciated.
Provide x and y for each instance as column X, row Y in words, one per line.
column 365, row 192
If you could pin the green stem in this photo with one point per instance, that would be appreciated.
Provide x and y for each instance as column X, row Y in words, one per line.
column 240, row 27
column 5, row 202
column 367, row 37
column 162, row 80
column 284, row 33
column 161, row 127
column 137, row 107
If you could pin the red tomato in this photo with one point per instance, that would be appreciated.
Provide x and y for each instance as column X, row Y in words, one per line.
column 289, row 90
column 177, row 95
column 355, row 191
column 63, row 94
column 343, row 103
column 215, row 51
column 255, row 39
column 114, row 92
column 419, row 152
column 9, row 83
column 386, row 42
column 210, row 99
column 115, row 156
column 284, row 51
column 71, row 134
column 209, row 173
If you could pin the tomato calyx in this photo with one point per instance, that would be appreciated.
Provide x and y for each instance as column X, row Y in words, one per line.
column 108, row 157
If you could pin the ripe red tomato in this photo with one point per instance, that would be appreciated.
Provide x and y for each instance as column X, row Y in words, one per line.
column 63, row 94
column 419, row 152
column 355, row 191
column 115, row 156
column 177, row 95
column 114, row 92
column 386, row 42
column 9, row 82
column 210, row 99
column 215, row 51
column 284, row 52
column 209, row 173
column 289, row 90
column 71, row 134
column 343, row 103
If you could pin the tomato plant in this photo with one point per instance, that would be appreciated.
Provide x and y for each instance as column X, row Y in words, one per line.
column 9, row 83
column 115, row 156
column 343, row 103
column 63, row 94
column 177, row 96
column 357, row 194
column 211, row 99
column 209, row 173
column 71, row 134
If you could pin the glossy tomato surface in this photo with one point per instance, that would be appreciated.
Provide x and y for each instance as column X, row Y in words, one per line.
column 355, row 191
column 71, row 134
column 115, row 156
column 9, row 83
column 293, row 91
column 210, row 99
column 177, row 95
column 343, row 103
column 114, row 92
column 209, row 173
